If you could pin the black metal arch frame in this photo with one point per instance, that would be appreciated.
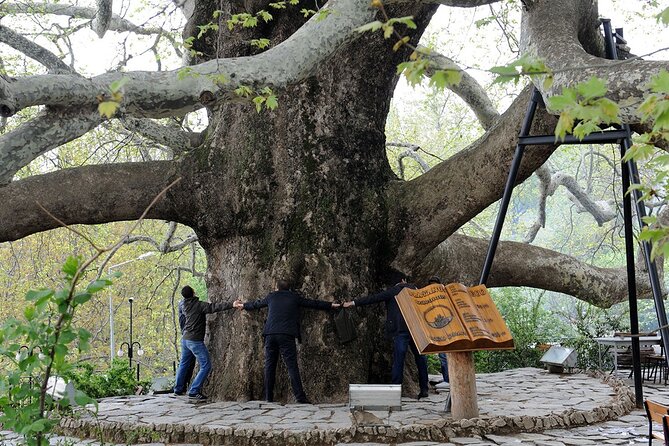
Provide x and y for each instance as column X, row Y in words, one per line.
column 630, row 175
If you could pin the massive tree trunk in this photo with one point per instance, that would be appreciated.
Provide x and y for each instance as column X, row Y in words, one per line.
column 300, row 193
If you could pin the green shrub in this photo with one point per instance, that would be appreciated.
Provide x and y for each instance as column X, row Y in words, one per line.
column 529, row 323
column 118, row 380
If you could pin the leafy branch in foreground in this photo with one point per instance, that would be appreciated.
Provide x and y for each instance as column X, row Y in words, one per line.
column 584, row 105
column 28, row 406
column 35, row 348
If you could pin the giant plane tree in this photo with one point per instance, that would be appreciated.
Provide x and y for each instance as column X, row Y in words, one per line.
column 302, row 190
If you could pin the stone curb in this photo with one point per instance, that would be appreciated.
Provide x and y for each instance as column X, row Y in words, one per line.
column 440, row 431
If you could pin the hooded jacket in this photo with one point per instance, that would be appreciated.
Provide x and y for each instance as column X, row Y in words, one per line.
column 192, row 317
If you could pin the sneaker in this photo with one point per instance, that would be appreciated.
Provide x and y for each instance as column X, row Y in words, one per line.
column 304, row 402
column 421, row 395
column 198, row 397
column 179, row 393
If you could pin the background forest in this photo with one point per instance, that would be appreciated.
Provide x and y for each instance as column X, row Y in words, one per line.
column 420, row 132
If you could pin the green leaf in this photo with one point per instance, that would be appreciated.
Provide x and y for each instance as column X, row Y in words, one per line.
column 271, row 102
column 67, row 336
column 108, row 108
column 387, row 30
column 82, row 399
column 649, row 219
column 258, row 101
column 660, row 82
column 243, row 91
column 609, row 110
column 29, row 312
column 564, row 125
column 445, row 78
column 266, row 16
column 82, row 298
column 38, row 294
column 663, row 17
column 408, row 21
column 98, row 285
column 372, row 26
column 260, row 43
column 118, row 84
column 71, row 266
column 560, row 102
column 592, row 88
column 250, row 22
column 323, row 13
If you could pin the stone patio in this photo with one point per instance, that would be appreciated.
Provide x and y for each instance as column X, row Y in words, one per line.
column 515, row 405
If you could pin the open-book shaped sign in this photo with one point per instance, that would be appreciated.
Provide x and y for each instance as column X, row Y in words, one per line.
column 453, row 318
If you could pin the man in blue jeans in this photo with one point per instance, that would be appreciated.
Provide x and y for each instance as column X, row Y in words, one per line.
column 397, row 328
column 192, row 343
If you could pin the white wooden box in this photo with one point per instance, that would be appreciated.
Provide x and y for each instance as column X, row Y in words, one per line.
column 375, row 396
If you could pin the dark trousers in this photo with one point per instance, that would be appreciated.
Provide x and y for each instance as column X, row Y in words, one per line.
column 401, row 343
column 276, row 344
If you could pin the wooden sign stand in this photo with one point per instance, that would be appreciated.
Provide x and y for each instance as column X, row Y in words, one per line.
column 456, row 320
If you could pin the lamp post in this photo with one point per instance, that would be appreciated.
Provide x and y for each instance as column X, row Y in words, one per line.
column 111, row 302
column 131, row 345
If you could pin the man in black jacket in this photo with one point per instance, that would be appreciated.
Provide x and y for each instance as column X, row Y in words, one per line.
column 397, row 329
column 192, row 342
column 282, row 327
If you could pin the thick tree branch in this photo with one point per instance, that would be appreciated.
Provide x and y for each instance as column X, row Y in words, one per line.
column 176, row 139
column 116, row 23
column 422, row 210
column 185, row 6
column 48, row 130
column 556, row 32
column 103, row 17
column 170, row 93
column 33, row 50
column 468, row 88
column 87, row 195
column 460, row 259
column 177, row 92
column 601, row 211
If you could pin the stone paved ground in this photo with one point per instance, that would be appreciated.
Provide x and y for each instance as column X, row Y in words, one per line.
column 521, row 393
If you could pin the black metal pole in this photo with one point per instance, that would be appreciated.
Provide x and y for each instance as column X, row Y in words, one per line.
column 508, row 188
column 130, row 344
column 631, row 277
column 651, row 266
column 625, row 144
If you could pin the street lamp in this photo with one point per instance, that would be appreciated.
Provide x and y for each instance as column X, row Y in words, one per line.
column 111, row 303
column 131, row 345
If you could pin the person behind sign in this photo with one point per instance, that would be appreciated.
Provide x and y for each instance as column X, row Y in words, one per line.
column 282, row 327
column 397, row 329
column 443, row 360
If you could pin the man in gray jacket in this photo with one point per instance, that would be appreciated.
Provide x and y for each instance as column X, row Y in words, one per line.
column 192, row 342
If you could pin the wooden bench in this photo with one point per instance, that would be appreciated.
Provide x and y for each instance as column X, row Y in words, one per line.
column 657, row 413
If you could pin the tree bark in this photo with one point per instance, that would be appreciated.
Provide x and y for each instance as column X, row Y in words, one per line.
column 305, row 200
